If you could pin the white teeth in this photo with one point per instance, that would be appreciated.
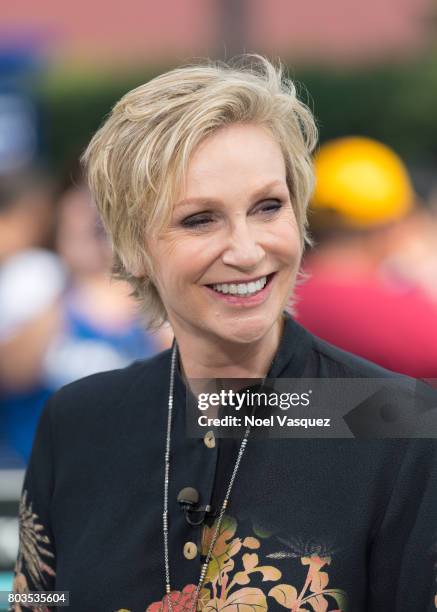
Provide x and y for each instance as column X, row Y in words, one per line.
column 241, row 288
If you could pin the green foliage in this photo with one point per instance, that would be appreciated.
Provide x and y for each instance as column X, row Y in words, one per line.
column 395, row 103
column 74, row 106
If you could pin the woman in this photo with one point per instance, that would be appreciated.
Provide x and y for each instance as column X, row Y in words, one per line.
column 202, row 177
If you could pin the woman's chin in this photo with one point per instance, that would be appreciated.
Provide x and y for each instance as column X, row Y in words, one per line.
column 246, row 331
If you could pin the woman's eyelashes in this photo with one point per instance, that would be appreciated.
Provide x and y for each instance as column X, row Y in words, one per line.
column 198, row 220
column 206, row 219
column 271, row 206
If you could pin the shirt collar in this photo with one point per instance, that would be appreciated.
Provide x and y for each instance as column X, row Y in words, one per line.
column 293, row 350
column 290, row 358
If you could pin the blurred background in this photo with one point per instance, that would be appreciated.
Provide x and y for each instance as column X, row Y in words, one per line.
column 368, row 70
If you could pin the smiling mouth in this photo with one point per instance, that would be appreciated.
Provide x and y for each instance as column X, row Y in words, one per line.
column 243, row 289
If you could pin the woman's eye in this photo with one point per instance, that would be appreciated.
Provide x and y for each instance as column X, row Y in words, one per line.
column 197, row 221
column 270, row 206
column 202, row 220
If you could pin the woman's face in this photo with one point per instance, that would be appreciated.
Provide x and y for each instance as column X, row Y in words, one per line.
column 227, row 263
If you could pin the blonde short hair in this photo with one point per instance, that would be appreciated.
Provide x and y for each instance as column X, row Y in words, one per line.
column 138, row 159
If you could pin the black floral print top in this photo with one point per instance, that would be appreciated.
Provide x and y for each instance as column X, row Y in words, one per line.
column 318, row 525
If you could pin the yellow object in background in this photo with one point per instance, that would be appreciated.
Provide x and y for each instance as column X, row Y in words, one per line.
column 362, row 181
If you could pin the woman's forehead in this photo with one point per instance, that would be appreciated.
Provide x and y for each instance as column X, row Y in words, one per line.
column 241, row 144
column 247, row 159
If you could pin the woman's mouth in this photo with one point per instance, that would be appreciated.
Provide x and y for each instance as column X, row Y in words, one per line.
column 239, row 293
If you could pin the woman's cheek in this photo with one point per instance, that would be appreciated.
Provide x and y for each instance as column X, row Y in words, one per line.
column 284, row 242
column 205, row 250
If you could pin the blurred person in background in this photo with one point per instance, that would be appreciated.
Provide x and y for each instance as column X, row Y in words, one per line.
column 32, row 280
column 372, row 277
column 100, row 327
column 61, row 318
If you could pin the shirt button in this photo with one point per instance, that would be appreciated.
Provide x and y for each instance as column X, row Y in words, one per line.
column 209, row 439
column 190, row 550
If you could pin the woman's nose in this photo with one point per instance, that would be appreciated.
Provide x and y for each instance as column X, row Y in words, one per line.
column 242, row 249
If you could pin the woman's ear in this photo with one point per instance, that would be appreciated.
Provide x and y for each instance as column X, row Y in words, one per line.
column 137, row 272
column 141, row 269
column 134, row 265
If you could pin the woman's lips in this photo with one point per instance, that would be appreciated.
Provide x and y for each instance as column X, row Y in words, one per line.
column 245, row 301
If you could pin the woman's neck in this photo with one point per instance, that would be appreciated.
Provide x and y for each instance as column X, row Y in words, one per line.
column 203, row 357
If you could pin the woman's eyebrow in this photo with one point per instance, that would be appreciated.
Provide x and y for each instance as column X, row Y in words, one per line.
column 259, row 193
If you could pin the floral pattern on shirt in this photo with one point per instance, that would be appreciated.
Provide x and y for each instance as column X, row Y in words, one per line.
column 33, row 548
column 228, row 582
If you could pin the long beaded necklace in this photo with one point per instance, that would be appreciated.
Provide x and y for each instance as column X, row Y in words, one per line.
column 204, row 567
